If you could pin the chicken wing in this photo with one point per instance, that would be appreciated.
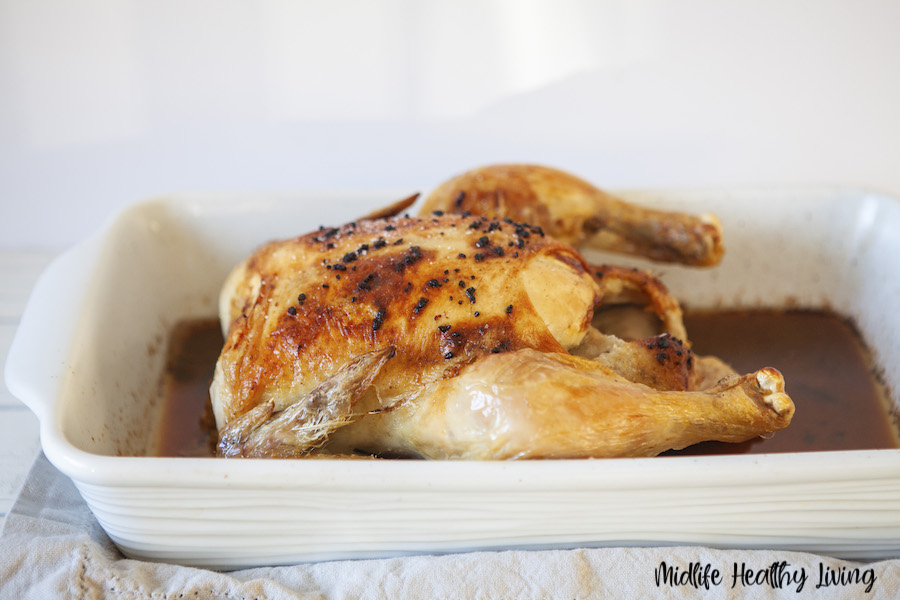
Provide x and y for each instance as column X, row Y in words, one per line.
column 624, row 337
column 482, row 318
column 574, row 211
column 307, row 422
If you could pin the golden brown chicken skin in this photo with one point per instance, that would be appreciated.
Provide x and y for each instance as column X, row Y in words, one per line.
column 575, row 211
column 452, row 336
column 442, row 290
column 528, row 404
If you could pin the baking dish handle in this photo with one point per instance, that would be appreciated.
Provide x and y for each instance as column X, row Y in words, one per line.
column 48, row 328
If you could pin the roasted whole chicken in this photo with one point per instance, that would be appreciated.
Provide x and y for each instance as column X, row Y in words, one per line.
column 466, row 337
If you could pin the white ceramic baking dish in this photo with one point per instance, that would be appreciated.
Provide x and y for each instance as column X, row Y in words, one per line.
column 89, row 354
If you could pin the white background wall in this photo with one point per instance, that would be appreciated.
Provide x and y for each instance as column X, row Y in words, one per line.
column 106, row 102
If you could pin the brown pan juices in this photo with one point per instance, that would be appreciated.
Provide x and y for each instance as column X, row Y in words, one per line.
column 827, row 371
column 839, row 403
column 188, row 428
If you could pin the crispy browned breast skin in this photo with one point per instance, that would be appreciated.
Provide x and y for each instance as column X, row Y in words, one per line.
column 575, row 211
column 442, row 290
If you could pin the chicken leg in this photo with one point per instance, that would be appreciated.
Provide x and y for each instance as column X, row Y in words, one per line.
column 528, row 404
column 574, row 211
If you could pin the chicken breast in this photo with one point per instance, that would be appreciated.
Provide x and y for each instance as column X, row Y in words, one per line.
column 443, row 290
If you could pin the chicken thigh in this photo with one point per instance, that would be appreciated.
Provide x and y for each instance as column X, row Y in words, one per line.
column 449, row 336
column 574, row 211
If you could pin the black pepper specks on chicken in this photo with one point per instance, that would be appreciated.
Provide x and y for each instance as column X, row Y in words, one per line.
column 669, row 349
column 367, row 282
column 378, row 321
column 501, row 347
column 422, row 303
column 329, row 233
column 411, row 257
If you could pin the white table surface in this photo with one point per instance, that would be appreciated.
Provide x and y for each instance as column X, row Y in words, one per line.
column 18, row 426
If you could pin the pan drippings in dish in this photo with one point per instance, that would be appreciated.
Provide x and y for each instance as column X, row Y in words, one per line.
column 188, row 427
column 840, row 404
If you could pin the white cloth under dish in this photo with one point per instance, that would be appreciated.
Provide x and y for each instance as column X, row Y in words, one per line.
column 52, row 547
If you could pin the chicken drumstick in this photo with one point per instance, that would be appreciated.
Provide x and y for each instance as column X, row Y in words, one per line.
column 574, row 211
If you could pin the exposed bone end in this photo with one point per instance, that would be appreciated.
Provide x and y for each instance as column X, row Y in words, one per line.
column 771, row 385
column 770, row 380
column 713, row 221
column 765, row 386
column 711, row 236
